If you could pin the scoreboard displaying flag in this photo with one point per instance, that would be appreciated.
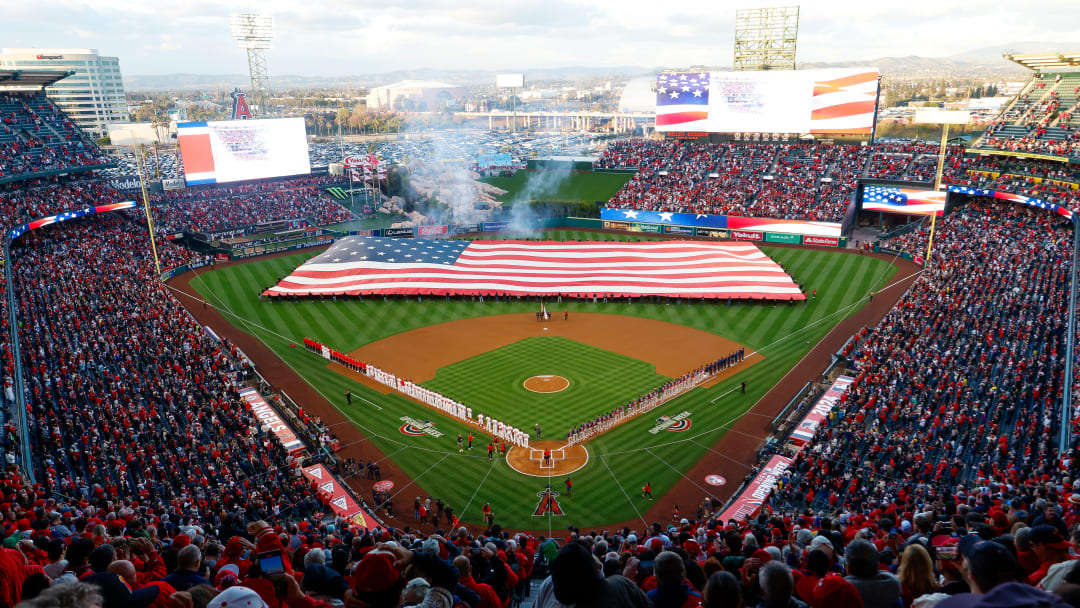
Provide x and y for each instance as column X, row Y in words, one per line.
column 688, row 269
column 904, row 201
column 837, row 101
column 216, row 152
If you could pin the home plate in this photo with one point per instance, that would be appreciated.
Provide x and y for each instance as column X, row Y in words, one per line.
column 545, row 329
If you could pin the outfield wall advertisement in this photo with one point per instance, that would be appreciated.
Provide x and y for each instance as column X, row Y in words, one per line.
column 729, row 222
column 838, row 100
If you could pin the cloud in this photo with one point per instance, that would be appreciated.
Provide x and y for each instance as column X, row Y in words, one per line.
column 333, row 37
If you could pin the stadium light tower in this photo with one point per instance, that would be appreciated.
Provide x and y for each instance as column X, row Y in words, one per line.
column 255, row 33
column 765, row 38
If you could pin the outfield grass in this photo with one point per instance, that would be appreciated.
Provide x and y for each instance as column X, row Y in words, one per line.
column 491, row 383
column 606, row 490
column 558, row 186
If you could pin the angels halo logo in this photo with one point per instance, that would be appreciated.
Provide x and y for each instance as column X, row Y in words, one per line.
column 547, row 505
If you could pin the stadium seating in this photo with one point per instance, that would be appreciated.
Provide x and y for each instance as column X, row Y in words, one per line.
column 1041, row 120
column 242, row 205
column 35, row 136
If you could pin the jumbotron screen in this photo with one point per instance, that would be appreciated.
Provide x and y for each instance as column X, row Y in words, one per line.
column 839, row 101
column 216, row 152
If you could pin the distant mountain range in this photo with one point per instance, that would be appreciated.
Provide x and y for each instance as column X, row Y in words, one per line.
column 986, row 61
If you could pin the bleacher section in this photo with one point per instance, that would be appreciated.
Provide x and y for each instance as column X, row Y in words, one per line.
column 36, row 137
column 1042, row 119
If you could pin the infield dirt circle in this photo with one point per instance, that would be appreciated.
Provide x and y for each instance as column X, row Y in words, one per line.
column 530, row 461
column 546, row 384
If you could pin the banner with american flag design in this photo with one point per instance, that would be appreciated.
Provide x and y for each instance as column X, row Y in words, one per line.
column 690, row 269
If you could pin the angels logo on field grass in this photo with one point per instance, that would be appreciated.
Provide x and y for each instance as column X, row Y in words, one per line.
column 418, row 428
column 679, row 422
column 547, row 505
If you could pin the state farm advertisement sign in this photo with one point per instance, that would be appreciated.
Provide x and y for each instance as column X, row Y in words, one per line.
column 820, row 240
column 746, row 236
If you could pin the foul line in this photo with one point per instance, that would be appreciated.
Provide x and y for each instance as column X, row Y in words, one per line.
column 412, row 480
column 723, row 455
column 468, row 504
column 621, row 489
column 681, row 474
column 724, row 395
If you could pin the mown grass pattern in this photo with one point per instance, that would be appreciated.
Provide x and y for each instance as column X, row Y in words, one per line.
column 542, row 185
column 491, row 383
column 628, row 456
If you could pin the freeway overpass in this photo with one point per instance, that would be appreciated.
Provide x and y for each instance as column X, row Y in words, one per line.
column 617, row 122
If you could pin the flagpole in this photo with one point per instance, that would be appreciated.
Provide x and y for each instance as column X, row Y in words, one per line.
column 140, row 167
column 937, row 187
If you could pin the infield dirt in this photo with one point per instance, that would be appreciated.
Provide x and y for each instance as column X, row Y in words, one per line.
column 674, row 349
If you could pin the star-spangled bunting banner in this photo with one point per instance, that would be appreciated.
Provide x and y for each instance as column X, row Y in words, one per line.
column 698, row 269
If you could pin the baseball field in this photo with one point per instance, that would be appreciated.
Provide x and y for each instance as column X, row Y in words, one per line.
column 498, row 359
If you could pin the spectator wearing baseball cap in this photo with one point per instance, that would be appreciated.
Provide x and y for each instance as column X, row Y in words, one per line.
column 1051, row 548
column 996, row 579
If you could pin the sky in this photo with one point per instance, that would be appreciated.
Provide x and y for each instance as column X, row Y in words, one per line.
column 336, row 37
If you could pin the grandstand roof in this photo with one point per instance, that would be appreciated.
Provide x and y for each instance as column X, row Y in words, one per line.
column 31, row 79
column 1046, row 62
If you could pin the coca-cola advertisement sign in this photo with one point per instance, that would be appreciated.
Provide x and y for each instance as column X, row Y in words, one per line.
column 432, row 230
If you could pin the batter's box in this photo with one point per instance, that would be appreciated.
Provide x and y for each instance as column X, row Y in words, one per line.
column 538, row 456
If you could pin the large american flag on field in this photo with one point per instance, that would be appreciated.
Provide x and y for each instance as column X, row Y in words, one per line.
column 697, row 269
column 682, row 98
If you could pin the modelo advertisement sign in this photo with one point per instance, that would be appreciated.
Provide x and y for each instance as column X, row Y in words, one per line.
column 821, row 240
column 399, row 233
column 176, row 183
column 432, row 230
column 125, row 183
column 687, row 230
column 713, row 233
column 746, row 235
column 464, row 228
column 494, row 226
column 609, row 225
column 794, row 239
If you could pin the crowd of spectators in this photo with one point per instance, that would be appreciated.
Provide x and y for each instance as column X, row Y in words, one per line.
column 35, row 136
column 807, row 181
column 238, row 206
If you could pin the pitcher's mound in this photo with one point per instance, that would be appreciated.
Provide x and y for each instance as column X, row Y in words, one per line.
column 547, row 384
column 563, row 461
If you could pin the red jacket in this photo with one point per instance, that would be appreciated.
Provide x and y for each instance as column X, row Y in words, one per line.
column 488, row 597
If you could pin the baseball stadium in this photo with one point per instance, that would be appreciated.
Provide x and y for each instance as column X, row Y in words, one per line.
column 737, row 350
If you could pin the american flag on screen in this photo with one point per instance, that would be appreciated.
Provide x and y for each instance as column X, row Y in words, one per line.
column 698, row 269
column 903, row 200
column 682, row 98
